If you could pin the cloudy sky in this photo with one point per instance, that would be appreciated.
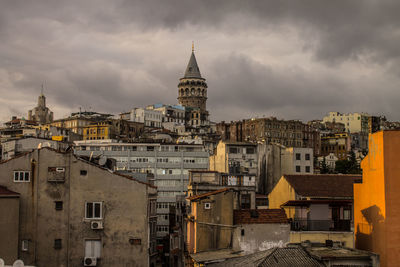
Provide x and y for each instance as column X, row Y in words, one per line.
column 289, row 59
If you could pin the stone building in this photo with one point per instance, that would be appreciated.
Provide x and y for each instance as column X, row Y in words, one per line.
column 290, row 133
column 41, row 114
column 192, row 94
column 74, row 213
column 113, row 129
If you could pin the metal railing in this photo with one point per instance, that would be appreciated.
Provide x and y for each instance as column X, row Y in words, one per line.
column 320, row 225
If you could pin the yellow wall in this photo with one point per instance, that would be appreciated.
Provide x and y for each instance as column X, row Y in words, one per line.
column 321, row 237
column 219, row 161
column 282, row 193
column 369, row 200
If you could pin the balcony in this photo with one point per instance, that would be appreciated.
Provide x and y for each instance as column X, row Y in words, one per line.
column 320, row 225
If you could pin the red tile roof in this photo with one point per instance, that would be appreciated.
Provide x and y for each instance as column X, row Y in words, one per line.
column 323, row 185
column 209, row 193
column 259, row 216
column 4, row 192
column 308, row 202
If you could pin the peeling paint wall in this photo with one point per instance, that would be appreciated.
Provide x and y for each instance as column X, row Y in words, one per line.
column 260, row 237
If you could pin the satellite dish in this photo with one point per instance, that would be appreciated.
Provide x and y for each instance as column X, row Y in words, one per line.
column 102, row 160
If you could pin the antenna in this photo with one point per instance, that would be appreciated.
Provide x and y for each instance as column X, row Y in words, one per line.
column 41, row 90
column 192, row 46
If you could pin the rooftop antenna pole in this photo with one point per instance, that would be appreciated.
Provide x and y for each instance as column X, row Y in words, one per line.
column 41, row 90
column 192, row 46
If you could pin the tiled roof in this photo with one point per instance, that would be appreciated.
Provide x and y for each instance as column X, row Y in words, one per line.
column 316, row 185
column 209, row 193
column 259, row 216
column 250, row 260
column 4, row 192
column 290, row 256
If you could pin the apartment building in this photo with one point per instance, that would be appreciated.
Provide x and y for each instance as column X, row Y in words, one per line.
column 170, row 164
column 353, row 122
column 150, row 117
column 74, row 213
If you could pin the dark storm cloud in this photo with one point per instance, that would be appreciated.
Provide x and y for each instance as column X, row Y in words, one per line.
column 114, row 55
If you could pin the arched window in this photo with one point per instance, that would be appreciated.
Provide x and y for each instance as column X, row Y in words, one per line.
column 198, row 91
column 187, row 91
column 192, row 91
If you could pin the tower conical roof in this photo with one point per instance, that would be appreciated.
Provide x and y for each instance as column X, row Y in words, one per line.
column 192, row 69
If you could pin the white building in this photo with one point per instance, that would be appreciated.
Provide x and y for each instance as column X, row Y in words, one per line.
column 354, row 122
column 330, row 161
column 170, row 164
column 170, row 113
column 150, row 117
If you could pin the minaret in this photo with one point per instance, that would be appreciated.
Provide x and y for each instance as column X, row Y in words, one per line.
column 192, row 87
column 192, row 93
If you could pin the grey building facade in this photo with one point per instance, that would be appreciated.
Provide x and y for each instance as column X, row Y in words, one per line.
column 74, row 213
column 170, row 164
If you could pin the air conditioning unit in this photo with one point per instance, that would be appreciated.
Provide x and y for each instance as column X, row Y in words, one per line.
column 96, row 225
column 90, row 261
column 60, row 169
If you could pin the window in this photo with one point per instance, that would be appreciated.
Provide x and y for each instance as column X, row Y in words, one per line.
column 93, row 210
column 233, row 150
column 307, row 168
column 242, row 232
column 57, row 243
column 298, row 156
column 93, row 248
column 307, row 156
column 22, row 176
column 58, row 205
column 298, row 169
column 250, row 150
column 346, row 214
column 24, row 245
column 207, row 206
column 245, row 201
column 83, row 172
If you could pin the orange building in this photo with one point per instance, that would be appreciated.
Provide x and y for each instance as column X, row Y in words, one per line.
column 377, row 199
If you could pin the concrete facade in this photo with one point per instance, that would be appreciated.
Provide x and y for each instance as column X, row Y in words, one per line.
column 170, row 164
column 151, row 118
column 9, row 224
column 62, row 196
column 210, row 222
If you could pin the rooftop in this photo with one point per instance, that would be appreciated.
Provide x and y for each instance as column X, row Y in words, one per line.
column 259, row 216
column 215, row 255
column 4, row 192
column 323, row 185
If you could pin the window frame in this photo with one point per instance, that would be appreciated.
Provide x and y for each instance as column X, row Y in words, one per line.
column 23, row 176
column 93, row 210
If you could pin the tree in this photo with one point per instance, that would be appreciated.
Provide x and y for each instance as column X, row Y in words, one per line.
column 348, row 166
column 324, row 167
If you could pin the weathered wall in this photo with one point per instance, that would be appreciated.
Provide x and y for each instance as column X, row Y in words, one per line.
column 9, row 224
column 392, row 185
column 216, row 233
column 124, row 212
column 346, row 237
column 260, row 237
column 219, row 161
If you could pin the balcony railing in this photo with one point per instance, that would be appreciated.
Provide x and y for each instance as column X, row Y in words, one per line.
column 320, row 225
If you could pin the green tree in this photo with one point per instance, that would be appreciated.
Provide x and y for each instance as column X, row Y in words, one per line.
column 348, row 166
column 324, row 167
